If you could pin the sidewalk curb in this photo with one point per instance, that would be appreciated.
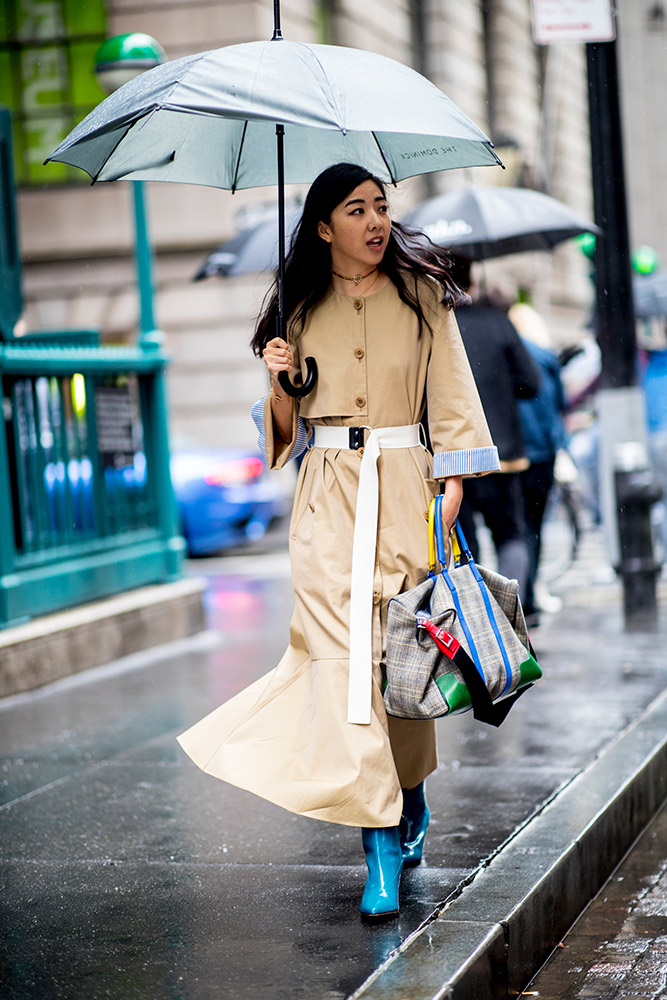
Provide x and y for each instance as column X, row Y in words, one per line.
column 54, row 646
column 487, row 942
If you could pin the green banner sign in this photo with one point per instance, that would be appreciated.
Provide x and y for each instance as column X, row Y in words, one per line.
column 47, row 54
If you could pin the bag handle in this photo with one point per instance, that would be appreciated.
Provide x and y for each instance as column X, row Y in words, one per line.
column 431, row 539
column 436, row 541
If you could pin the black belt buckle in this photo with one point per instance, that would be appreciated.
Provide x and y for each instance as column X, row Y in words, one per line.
column 356, row 437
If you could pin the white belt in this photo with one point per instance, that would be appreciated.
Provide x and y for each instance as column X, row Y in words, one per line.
column 360, row 684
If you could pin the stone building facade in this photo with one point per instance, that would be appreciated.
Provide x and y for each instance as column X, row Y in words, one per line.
column 77, row 240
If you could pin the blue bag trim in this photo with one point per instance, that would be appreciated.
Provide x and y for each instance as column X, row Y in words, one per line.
column 489, row 609
column 440, row 545
column 440, row 548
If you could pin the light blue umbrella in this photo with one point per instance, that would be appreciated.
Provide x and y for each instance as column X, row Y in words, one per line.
column 280, row 112
column 211, row 118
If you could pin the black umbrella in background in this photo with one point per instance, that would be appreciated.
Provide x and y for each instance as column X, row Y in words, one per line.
column 483, row 222
column 251, row 251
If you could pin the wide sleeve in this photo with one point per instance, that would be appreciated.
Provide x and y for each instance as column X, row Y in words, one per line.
column 462, row 444
column 277, row 451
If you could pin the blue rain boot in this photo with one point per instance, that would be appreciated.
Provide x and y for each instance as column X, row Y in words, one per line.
column 414, row 824
column 382, row 846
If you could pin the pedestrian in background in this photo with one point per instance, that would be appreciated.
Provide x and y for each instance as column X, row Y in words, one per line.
column 504, row 373
column 654, row 382
column 374, row 307
column 544, row 436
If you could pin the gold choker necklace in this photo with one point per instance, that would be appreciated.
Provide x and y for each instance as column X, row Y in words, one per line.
column 356, row 278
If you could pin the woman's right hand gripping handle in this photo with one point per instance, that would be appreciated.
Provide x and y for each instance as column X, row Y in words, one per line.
column 277, row 357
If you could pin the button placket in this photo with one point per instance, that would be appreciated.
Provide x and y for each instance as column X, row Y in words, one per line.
column 360, row 381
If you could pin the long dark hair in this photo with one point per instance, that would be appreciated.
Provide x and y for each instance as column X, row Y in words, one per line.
column 308, row 263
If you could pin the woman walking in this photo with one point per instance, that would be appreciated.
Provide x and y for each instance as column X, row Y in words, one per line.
column 374, row 308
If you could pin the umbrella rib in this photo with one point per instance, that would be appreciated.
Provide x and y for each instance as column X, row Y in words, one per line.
column 103, row 165
column 238, row 159
column 141, row 118
column 384, row 159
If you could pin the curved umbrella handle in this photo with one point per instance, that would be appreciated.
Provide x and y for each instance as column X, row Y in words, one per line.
column 309, row 383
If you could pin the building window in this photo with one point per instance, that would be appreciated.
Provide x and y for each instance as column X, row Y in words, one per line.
column 47, row 57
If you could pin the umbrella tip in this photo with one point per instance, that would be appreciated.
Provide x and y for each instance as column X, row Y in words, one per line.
column 277, row 33
column 496, row 157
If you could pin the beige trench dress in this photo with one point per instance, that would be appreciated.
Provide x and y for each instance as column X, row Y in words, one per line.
column 286, row 737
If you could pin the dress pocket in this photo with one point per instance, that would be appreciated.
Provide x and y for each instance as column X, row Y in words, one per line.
column 432, row 487
column 304, row 504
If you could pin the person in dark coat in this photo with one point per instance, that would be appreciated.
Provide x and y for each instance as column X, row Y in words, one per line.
column 544, row 433
column 504, row 373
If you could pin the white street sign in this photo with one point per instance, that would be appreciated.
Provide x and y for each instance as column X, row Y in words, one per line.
column 572, row 21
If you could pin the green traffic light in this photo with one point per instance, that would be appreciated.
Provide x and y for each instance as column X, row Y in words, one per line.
column 645, row 260
column 586, row 243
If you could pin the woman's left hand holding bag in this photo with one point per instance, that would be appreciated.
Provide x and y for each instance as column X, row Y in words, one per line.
column 451, row 502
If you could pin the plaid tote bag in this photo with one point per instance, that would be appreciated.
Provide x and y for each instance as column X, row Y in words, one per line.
column 458, row 641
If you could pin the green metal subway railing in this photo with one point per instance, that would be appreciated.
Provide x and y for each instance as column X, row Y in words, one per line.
column 85, row 493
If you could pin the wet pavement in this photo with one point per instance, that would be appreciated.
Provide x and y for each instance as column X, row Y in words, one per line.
column 617, row 950
column 127, row 873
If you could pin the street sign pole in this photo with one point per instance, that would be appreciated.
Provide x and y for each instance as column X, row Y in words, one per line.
column 613, row 272
column 623, row 439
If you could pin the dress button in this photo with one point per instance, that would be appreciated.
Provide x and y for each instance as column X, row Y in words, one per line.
column 360, row 452
column 376, row 597
column 361, row 402
column 358, row 304
column 359, row 353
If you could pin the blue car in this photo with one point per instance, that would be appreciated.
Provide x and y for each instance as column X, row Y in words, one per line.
column 224, row 497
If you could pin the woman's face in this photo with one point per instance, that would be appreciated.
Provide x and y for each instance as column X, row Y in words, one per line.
column 358, row 230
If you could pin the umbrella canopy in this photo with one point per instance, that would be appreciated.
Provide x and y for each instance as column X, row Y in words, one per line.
column 210, row 118
column 482, row 222
column 249, row 252
column 650, row 294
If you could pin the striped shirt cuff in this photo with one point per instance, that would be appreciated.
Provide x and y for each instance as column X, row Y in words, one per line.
column 257, row 414
column 468, row 462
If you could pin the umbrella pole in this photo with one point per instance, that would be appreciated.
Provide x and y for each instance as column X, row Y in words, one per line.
column 277, row 32
column 311, row 364
column 280, row 143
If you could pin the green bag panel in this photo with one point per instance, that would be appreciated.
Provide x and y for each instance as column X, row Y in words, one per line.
column 455, row 693
column 529, row 672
